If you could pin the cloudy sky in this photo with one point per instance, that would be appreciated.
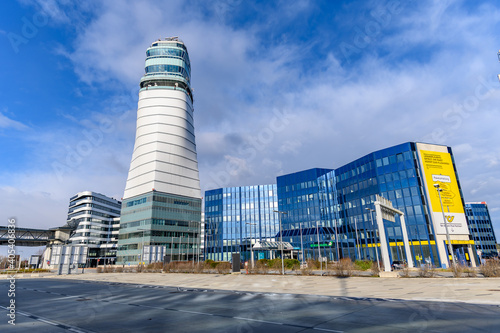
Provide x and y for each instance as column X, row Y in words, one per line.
column 279, row 86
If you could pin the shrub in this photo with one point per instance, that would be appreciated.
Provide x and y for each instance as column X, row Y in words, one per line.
column 375, row 270
column 363, row 265
column 490, row 269
column 292, row 264
column 199, row 267
column 274, row 263
column 119, row 269
column 404, row 272
column 99, row 270
column 307, row 270
column 313, row 264
column 470, row 271
column 262, row 266
column 155, row 267
column 426, row 271
column 223, row 267
column 457, row 270
column 344, row 267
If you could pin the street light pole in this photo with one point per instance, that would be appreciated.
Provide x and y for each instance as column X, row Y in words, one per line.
column 251, row 246
column 19, row 260
column 450, row 248
column 301, row 244
column 357, row 239
column 281, row 241
column 179, row 250
column 142, row 244
column 199, row 243
column 373, row 236
column 319, row 248
column 172, row 248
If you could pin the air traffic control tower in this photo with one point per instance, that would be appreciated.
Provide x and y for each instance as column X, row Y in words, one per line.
column 162, row 201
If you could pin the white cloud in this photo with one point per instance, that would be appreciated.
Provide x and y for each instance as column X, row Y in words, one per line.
column 8, row 123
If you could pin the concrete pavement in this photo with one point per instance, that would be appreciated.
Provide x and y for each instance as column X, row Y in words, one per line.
column 466, row 290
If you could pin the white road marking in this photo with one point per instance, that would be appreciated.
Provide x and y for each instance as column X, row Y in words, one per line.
column 327, row 330
column 195, row 312
column 260, row 321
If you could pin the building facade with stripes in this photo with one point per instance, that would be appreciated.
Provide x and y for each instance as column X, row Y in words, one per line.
column 162, row 198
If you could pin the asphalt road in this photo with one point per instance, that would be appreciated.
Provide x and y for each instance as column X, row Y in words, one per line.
column 45, row 305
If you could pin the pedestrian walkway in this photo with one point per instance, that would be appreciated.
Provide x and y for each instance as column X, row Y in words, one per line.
column 468, row 290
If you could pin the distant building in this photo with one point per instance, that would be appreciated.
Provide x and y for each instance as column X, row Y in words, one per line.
column 97, row 221
column 481, row 228
column 329, row 211
column 239, row 217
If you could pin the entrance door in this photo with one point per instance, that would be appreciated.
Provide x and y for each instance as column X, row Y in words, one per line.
column 462, row 255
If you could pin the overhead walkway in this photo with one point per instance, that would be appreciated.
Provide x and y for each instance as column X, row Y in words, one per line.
column 36, row 237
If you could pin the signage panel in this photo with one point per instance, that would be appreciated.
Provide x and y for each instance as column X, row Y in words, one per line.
column 437, row 168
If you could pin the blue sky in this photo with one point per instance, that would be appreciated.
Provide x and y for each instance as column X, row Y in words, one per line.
column 279, row 87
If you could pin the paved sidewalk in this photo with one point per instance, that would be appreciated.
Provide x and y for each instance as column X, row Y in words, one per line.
column 468, row 290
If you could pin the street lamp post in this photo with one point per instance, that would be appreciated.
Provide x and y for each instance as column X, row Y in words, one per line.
column 357, row 239
column 281, row 241
column 142, row 242
column 19, row 260
column 198, row 250
column 251, row 246
column 319, row 248
column 172, row 248
column 301, row 245
column 373, row 235
column 450, row 248
column 179, row 254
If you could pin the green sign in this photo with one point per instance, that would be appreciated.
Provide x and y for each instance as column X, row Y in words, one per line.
column 322, row 245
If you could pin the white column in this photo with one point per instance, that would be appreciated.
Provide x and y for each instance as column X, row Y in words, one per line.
column 384, row 250
column 409, row 257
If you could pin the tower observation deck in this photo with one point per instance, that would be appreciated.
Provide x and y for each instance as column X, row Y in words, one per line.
column 164, row 156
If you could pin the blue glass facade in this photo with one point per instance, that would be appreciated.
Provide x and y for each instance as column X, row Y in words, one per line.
column 309, row 199
column 392, row 173
column 481, row 228
column 236, row 217
column 329, row 212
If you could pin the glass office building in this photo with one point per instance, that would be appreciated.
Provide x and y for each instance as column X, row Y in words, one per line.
column 392, row 173
column 162, row 199
column 96, row 218
column 481, row 228
column 309, row 200
column 330, row 212
column 238, row 217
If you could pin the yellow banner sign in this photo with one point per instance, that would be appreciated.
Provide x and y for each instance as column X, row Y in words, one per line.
column 438, row 169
